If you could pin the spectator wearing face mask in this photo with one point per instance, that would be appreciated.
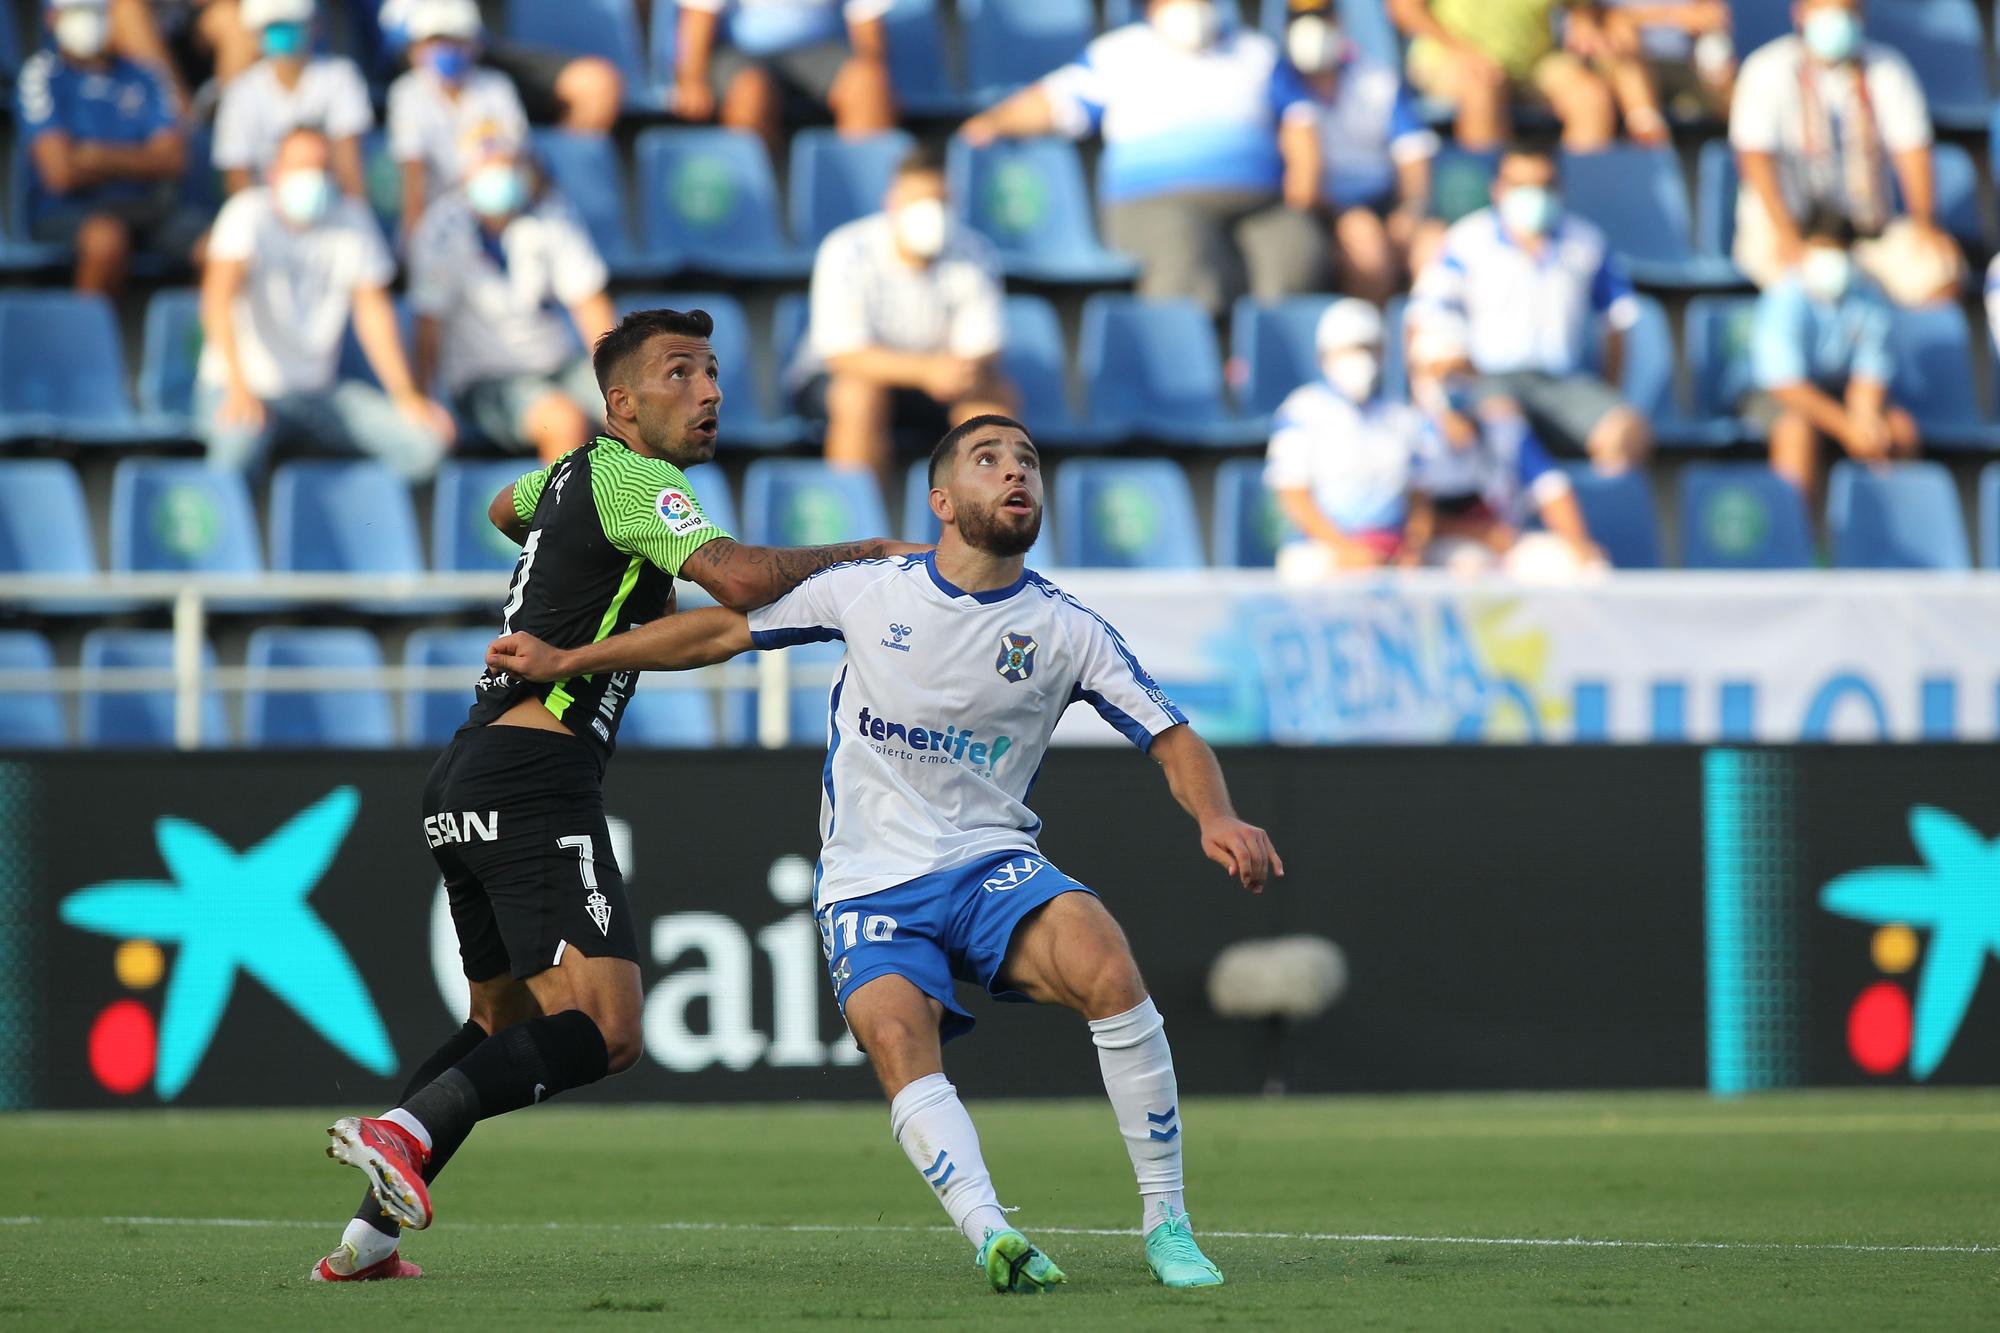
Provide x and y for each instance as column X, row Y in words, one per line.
column 1483, row 56
column 1822, row 363
column 509, row 295
column 1377, row 173
column 290, row 87
column 1823, row 118
column 1486, row 476
column 1531, row 284
column 105, row 151
column 1211, row 168
column 444, row 101
column 906, row 325
column 1342, row 458
column 744, row 60
column 289, row 262
column 581, row 94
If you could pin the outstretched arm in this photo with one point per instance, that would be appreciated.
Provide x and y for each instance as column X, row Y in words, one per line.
column 1195, row 779
column 747, row 577
column 671, row 643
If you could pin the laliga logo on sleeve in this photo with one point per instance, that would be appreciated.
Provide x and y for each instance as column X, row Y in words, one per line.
column 1017, row 657
column 678, row 512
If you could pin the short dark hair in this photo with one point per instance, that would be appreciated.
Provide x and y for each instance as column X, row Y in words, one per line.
column 1823, row 223
column 635, row 330
column 1537, row 146
column 923, row 160
column 947, row 445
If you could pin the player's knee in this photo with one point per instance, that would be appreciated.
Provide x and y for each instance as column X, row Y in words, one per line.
column 1113, row 987
column 623, row 1041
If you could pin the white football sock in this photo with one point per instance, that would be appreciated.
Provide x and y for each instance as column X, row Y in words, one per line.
column 1139, row 1078
column 937, row 1135
column 416, row 1127
column 370, row 1245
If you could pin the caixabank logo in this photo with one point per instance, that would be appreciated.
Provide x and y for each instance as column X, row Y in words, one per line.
column 222, row 914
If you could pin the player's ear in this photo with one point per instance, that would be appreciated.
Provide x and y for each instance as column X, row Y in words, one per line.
column 618, row 402
column 941, row 504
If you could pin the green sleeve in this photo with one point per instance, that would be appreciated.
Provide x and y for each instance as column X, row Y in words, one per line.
column 528, row 494
column 649, row 510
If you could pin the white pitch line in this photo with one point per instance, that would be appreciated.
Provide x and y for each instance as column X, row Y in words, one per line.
column 1323, row 1237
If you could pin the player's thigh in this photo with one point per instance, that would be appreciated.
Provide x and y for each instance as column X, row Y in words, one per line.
column 1071, row 951
column 899, row 1026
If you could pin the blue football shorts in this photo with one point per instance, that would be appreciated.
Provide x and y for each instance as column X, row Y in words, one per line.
column 957, row 923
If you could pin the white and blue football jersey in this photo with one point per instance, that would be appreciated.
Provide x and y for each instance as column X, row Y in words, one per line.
column 941, row 712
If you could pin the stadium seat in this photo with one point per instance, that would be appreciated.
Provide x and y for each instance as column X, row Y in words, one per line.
column 1718, row 357
column 1742, row 516
column 44, row 522
column 1621, row 515
column 1126, row 513
column 744, row 422
column 1756, row 22
column 803, row 502
column 1715, row 199
column 920, row 74
column 1029, row 198
column 1647, row 380
column 1011, row 43
column 343, row 517
column 921, row 525
column 65, row 375
column 280, row 718
column 1956, row 182
column 1274, row 342
column 711, row 487
column 19, row 252
column 173, row 515
column 587, row 173
column 659, row 716
column 140, row 718
column 1152, row 369
column 1248, row 525
column 1117, row 13
column 1946, row 46
column 1461, row 181
column 1903, row 517
column 1036, row 358
column 607, row 28
column 430, row 716
column 462, row 536
column 1989, row 516
column 1934, row 377
column 171, row 352
column 29, row 720
column 708, row 202
column 1636, row 195
column 836, row 180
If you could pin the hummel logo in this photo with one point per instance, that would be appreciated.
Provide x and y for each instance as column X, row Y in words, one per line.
column 599, row 908
column 1014, row 874
column 1164, row 1129
column 898, row 633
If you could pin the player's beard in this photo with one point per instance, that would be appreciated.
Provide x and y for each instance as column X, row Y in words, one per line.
column 996, row 533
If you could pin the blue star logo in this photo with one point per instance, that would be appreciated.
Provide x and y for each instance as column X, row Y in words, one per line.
column 1956, row 894
column 230, row 911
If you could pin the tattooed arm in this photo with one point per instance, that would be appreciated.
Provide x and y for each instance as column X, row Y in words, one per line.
column 743, row 578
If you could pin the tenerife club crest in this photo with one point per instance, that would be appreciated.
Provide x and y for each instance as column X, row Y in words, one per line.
column 1017, row 657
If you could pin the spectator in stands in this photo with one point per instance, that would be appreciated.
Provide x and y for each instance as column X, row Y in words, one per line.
column 1342, row 457
column 1211, row 167
column 1485, row 475
column 1821, row 360
column 1665, row 55
column 1821, row 118
column 1531, row 282
column 581, row 94
column 505, row 282
column 445, row 101
column 1377, row 172
column 291, row 86
column 289, row 262
column 1482, row 56
column 906, row 324
column 744, row 59
column 105, row 150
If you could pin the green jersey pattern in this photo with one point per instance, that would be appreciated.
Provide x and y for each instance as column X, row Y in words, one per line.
column 608, row 531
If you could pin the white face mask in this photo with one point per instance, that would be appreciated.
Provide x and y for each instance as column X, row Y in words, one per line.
column 1825, row 273
column 1832, row 35
column 1191, row 25
column 303, row 196
column 82, row 32
column 920, row 227
column 1529, row 210
column 1354, row 372
column 1314, row 45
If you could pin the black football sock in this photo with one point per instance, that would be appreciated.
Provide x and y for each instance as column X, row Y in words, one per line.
column 456, row 1047
column 515, row 1067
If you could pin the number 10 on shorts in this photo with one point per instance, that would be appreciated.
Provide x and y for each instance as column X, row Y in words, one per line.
column 844, row 930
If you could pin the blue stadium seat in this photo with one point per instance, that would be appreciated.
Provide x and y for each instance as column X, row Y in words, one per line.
column 1029, row 198
column 921, row 525
column 19, row 252
column 920, row 75
column 607, row 28
column 1714, row 199
column 170, row 515
column 1934, row 377
column 140, row 718
column 711, row 487
column 1637, row 196
column 1035, row 357
column 430, row 716
column 1117, row 13
column 1620, row 514
column 1756, row 22
column 44, row 522
column 587, row 172
column 836, row 180
column 1152, row 369
column 745, row 423
column 462, row 537
column 1956, row 182
column 29, row 721
column 171, row 352
column 1989, row 516
column 1249, row 528
column 1010, row 43
column 1126, row 513
column 708, row 202
column 1947, row 48
column 345, row 518
column 65, row 375
column 1742, row 516
column 803, row 502
column 1905, row 516
column 659, row 717
column 281, row 718
column 1461, row 181
column 1274, row 342
column 1718, row 358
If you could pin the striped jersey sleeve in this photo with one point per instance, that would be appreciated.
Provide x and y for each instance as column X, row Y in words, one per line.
column 649, row 510
column 528, row 494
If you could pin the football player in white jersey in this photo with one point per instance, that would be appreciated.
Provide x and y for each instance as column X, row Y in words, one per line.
column 959, row 663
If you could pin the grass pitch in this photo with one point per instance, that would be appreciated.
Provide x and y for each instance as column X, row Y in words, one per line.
column 1808, row 1211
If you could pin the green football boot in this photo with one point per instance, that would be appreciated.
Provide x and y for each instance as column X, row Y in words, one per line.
column 1174, row 1257
column 1012, row 1263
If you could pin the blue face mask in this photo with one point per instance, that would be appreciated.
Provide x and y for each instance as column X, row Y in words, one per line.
column 1461, row 394
column 284, row 39
column 448, row 61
